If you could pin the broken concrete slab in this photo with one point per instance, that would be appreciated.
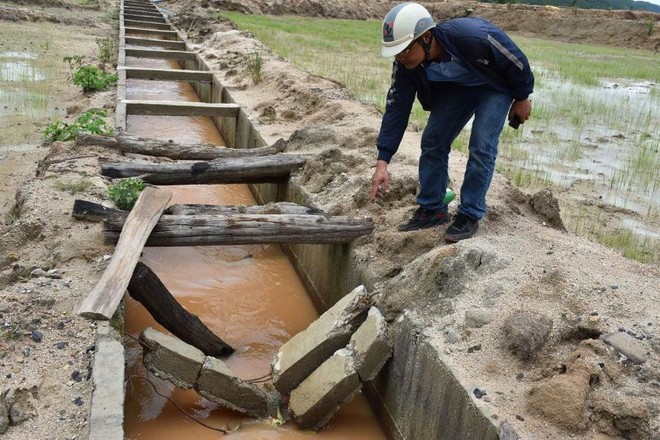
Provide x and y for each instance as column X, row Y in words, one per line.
column 171, row 359
column 370, row 345
column 319, row 396
column 219, row 384
column 307, row 350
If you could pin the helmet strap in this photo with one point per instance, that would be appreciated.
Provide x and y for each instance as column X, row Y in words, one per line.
column 426, row 45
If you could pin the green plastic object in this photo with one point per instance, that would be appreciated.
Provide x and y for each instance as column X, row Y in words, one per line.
column 449, row 196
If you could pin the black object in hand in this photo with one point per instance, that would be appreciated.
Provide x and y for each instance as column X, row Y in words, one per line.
column 515, row 122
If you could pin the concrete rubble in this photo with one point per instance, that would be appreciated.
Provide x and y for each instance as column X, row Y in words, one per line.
column 187, row 367
column 307, row 350
column 319, row 369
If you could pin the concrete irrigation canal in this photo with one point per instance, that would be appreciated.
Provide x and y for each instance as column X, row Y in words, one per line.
column 246, row 290
column 254, row 290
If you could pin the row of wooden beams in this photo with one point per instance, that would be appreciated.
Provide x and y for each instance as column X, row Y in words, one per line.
column 165, row 44
column 167, row 74
column 147, row 24
column 180, row 108
column 160, row 54
column 163, row 32
column 144, row 18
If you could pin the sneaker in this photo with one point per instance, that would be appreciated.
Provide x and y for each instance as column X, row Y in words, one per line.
column 463, row 227
column 424, row 218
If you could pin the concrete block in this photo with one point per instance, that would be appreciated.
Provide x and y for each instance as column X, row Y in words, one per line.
column 171, row 359
column 219, row 384
column 303, row 353
column 370, row 345
column 319, row 396
column 106, row 421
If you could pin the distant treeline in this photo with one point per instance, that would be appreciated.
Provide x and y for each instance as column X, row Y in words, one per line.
column 589, row 4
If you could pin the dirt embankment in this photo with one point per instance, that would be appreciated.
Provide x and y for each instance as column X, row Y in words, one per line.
column 636, row 29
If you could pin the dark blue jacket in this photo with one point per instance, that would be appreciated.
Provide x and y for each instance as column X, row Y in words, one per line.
column 481, row 47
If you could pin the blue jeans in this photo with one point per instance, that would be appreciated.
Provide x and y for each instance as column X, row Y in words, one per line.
column 452, row 109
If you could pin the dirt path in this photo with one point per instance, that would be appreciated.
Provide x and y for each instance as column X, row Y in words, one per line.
column 543, row 369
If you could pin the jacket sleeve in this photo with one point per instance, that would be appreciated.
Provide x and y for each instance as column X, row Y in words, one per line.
column 400, row 98
column 513, row 65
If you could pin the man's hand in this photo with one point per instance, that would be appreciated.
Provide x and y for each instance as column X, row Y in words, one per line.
column 521, row 109
column 380, row 182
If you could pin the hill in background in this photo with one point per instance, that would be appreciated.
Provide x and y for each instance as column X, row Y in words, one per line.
column 591, row 4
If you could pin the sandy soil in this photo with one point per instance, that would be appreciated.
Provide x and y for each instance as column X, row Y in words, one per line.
column 518, row 310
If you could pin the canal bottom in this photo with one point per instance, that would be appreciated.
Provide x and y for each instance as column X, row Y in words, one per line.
column 250, row 296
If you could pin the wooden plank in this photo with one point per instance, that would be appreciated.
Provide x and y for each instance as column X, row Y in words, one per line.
column 262, row 169
column 102, row 301
column 143, row 11
column 165, row 44
column 161, row 54
column 167, row 74
column 148, row 25
column 175, row 108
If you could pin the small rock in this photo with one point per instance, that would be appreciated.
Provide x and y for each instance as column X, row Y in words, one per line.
column 26, row 351
column 476, row 318
column 474, row 348
column 60, row 345
column 521, row 418
column 78, row 401
column 36, row 335
column 478, row 393
column 626, row 345
column 76, row 376
column 452, row 335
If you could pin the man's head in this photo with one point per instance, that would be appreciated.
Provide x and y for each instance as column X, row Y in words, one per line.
column 403, row 28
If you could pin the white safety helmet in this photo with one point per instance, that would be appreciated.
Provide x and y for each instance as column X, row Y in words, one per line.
column 403, row 24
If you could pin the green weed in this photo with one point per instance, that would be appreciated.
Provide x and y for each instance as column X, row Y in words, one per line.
column 254, row 67
column 74, row 62
column 91, row 78
column 107, row 50
column 92, row 121
column 126, row 192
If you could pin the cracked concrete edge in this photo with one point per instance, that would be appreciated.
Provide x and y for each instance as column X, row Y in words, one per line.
column 106, row 421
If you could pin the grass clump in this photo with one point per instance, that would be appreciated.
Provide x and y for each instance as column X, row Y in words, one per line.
column 73, row 187
column 126, row 192
column 254, row 67
column 91, row 78
column 92, row 121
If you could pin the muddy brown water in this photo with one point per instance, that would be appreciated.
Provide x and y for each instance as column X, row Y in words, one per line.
column 250, row 296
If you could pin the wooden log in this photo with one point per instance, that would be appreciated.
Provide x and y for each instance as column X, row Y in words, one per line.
column 233, row 229
column 270, row 208
column 155, row 147
column 86, row 210
column 95, row 212
column 146, row 288
column 165, row 44
column 265, row 169
column 167, row 74
column 103, row 300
